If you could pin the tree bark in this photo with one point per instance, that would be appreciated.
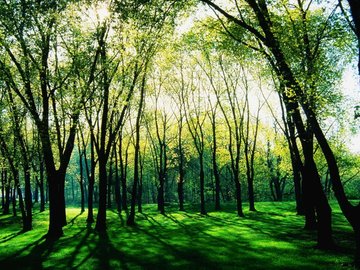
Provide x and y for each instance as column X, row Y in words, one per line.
column 202, row 186
column 131, row 218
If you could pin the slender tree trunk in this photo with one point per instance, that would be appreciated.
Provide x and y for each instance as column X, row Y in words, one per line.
column 28, row 199
column 251, row 194
column 131, row 218
column 240, row 212
column 13, row 200
column 160, row 197
column 140, row 189
column 297, row 167
column 36, row 191
column 91, row 177
column 6, row 209
column 180, row 182
column 215, row 165
column 117, row 181
column 42, row 186
column 123, row 176
column 81, row 182
column 3, row 184
column 180, row 190
column 110, row 184
column 202, row 186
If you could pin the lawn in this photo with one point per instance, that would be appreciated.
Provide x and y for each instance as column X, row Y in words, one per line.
column 271, row 238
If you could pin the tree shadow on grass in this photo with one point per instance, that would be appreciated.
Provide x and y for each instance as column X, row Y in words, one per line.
column 74, row 218
column 10, row 236
column 33, row 260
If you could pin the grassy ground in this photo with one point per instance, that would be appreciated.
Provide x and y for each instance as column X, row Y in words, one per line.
column 271, row 238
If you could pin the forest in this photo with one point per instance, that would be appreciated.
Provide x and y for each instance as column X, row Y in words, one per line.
column 205, row 126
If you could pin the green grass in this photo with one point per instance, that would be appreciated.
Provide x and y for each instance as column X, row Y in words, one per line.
column 271, row 238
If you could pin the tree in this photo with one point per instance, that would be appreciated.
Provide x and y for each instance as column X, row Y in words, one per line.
column 159, row 141
column 294, row 96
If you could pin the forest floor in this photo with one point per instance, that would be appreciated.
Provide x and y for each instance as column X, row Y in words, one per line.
column 271, row 238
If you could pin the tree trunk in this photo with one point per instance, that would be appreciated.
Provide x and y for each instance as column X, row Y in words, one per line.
column 101, row 216
column 180, row 183
column 81, row 182
column 13, row 200
column 56, row 206
column 251, row 194
column 160, row 197
column 180, row 190
column 117, row 181
column 355, row 13
column 131, row 218
column 140, row 191
column 3, row 183
column 42, row 188
column 123, row 176
column 202, row 186
column 28, row 199
column 6, row 208
column 36, row 191
column 91, row 182
column 239, row 209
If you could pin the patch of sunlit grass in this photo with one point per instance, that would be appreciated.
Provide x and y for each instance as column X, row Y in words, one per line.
column 271, row 238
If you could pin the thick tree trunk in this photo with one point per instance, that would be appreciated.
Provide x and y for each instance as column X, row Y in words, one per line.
column 101, row 216
column 62, row 199
column 357, row 248
column 56, row 206
column 314, row 191
column 355, row 13
column 308, row 201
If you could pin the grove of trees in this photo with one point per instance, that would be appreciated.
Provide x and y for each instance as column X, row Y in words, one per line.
column 114, row 104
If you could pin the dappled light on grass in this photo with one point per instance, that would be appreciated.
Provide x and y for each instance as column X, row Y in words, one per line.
column 271, row 238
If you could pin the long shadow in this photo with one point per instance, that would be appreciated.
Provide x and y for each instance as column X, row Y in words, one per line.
column 11, row 236
column 84, row 241
column 119, row 214
column 33, row 260
column 191, row 255
column 74, row 218
column 151, row 220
